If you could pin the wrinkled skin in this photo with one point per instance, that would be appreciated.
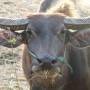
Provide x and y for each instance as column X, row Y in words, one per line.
column 79, row 61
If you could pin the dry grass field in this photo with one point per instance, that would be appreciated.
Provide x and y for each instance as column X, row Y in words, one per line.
column 11, row 73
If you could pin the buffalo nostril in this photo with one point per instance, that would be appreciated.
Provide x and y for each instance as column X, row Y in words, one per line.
column 54, row 61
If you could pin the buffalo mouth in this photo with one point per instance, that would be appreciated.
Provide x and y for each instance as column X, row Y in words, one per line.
column 48, row 78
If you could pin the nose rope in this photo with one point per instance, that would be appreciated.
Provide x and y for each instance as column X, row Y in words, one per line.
column 65, row 56
column 32, row 54
column 64, row 60
column 66, row 39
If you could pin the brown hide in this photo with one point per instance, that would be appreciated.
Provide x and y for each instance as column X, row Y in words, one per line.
column 26, row 64
column 79, row 60
column 26, row 60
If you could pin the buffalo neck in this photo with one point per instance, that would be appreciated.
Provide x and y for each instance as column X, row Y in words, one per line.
column 79, row 59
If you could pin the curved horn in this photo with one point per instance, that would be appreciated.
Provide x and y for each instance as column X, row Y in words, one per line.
column 13, row 24
column 77, row 23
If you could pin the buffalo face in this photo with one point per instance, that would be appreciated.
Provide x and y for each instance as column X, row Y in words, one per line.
column 46, row 46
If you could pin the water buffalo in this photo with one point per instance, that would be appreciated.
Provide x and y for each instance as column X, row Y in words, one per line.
column 49, row 60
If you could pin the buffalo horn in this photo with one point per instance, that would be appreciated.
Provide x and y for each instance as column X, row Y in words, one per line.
column 13, row 24
column 77, row 23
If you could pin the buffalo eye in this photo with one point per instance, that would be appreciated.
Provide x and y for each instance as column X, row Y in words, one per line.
column 61, row 34
column 29, row 32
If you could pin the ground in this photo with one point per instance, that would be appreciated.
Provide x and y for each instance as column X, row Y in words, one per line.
column 11, row 73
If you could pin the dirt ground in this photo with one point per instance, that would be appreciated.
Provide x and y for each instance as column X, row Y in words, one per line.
column 11, row 73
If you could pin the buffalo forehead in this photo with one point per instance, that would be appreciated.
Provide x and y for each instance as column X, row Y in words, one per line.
column 46, row 22
column 46, row 42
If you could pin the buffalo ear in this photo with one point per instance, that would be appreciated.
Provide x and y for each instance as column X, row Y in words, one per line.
column 11, row 39
column 81, row 38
